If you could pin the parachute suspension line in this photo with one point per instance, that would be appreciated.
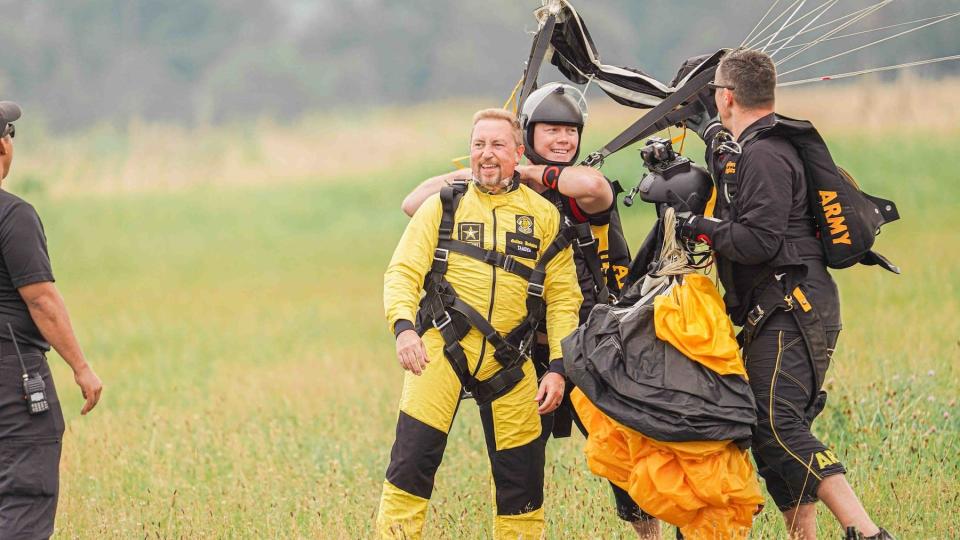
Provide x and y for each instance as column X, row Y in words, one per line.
column 511, row 102
column 582, row 100
column 802, row 487
column 888, row 38
column 784, row 25
column 750, row 35
column 871, row 70
column 856, row 13
column 866, row 12
column 826, row 7
column 458, row 162
column 673, row 258
column 879, row 28
column 817, row 11
column 756, row 40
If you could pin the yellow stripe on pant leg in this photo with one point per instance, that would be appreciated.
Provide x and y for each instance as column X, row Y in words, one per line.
column 529, row 526
column 400, row 515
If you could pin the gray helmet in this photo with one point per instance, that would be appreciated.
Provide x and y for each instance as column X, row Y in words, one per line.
column 675, row 182
column 553, row 103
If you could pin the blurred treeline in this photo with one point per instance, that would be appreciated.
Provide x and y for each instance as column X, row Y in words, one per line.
column 197, row 62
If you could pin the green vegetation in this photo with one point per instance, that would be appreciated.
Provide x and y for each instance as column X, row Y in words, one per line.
column 251, row 388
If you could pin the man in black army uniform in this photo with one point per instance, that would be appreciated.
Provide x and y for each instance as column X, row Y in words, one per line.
column 32, row 307
column 764, row 238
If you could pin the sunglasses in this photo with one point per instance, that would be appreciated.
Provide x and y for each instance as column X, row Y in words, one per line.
column 713, row 86
column 10, row 131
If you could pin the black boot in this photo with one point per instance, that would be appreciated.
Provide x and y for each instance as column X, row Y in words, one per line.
column 853, row 534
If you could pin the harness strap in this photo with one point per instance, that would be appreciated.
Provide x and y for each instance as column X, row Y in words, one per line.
column 507, row 263
column 586, row 246
column 450, row 196
column 537, row 54
column 509, row 357
column 442, row 308
column 775, row 298
column 658, row 118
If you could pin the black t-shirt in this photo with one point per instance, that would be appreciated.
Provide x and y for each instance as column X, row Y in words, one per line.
column 23, row 260
column 767, row 222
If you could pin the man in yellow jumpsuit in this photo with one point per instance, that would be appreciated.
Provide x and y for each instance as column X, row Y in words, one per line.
column 499, row 233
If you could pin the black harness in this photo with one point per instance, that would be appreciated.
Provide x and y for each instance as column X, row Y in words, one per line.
column 441, row 307
column 780, row 294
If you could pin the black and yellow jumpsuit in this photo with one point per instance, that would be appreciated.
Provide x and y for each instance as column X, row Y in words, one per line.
column 520, row 223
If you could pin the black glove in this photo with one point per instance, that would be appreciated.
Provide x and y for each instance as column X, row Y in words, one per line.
column 702, row 123
column 684, row 214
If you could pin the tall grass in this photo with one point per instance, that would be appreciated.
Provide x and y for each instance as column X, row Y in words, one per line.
column 153, row 157
column 251, row 389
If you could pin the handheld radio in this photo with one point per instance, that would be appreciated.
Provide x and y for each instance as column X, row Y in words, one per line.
column 34, row 389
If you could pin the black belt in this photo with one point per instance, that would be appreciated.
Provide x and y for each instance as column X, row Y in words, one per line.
column 7, row 348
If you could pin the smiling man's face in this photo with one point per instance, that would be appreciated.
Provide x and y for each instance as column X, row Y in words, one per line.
column 494, row 153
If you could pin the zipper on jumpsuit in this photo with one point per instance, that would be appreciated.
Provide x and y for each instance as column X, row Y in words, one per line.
column 493, row 291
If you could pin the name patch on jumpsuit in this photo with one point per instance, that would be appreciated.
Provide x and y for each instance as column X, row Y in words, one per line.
column 523, row 245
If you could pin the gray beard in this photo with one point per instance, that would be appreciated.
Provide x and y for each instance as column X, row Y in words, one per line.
column 502, row 185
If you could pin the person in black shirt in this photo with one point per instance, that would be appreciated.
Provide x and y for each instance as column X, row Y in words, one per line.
column 771, row 265
column 31, row 305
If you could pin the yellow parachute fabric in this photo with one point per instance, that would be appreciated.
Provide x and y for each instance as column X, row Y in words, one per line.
column 707, row 488
column 692, row 318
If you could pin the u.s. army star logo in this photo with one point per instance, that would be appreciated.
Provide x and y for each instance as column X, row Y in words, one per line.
column 525, row 224
column 471, row 233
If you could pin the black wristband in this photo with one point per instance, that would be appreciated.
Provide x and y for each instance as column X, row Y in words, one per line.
column 551, row 175
column 556, row 366
column 401, row 325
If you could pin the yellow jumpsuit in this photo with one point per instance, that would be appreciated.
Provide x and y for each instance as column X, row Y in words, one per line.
column 520, row 223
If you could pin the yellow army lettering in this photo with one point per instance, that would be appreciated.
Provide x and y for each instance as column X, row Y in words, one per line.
column 826, row 458
column 833, row 213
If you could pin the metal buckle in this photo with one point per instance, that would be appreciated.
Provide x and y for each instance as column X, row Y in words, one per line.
column 581, row 243
column 593, row 160
column 443, row 322
column 534, row 289
column 755, row 315
column 509, row 263
column 441, row 254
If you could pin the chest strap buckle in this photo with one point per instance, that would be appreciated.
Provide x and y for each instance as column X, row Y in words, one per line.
column 509, row 263
column 534, row 289
column 444, row 321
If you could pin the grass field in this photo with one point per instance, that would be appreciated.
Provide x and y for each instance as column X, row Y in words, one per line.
column 251, row 388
